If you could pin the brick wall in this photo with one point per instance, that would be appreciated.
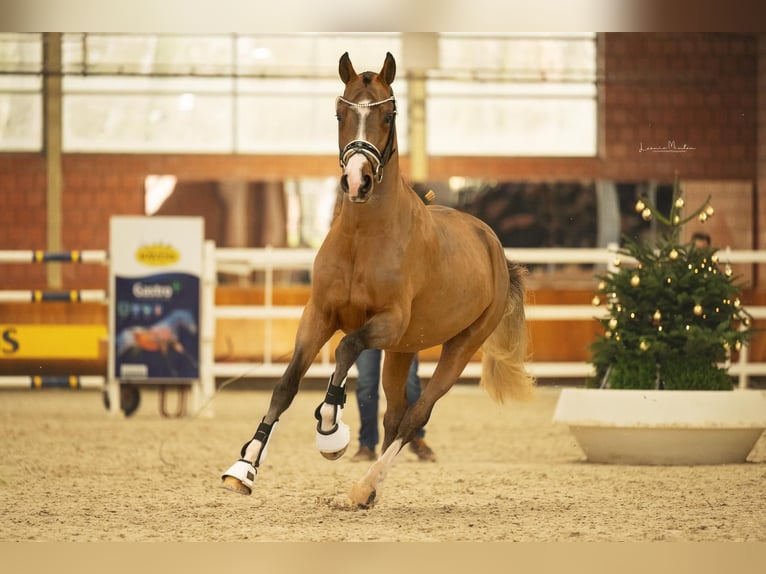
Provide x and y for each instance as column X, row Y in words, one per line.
column 97, row 186
column 695, row 89
column 22, row 216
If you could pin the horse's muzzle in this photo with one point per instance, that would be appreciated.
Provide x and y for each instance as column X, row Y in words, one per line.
column 362, row 193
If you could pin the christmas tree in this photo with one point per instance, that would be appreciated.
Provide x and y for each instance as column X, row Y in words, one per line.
column 673, row 315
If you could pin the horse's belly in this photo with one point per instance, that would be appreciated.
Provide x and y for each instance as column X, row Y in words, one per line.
column 438, row 322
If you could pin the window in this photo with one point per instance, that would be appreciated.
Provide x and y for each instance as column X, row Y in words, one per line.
column 21, row 103
column 216, row 94
column 491, row 94
column 517, row 95
column 147, row 93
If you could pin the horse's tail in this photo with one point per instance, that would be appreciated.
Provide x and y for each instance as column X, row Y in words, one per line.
column 502, row 365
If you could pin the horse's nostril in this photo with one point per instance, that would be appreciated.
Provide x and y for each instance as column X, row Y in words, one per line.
column 366, row 184
column 344, row 183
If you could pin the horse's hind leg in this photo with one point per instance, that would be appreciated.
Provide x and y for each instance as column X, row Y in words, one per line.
column 454, row 357
column 312, row 334
column 395, row 370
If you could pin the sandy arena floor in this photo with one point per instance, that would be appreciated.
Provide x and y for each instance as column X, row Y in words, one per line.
column 70, row 472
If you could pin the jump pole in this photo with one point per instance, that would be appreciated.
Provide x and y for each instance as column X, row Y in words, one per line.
column 74, row 382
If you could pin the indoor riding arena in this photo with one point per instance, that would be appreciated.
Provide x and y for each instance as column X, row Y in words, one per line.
column 165, row 198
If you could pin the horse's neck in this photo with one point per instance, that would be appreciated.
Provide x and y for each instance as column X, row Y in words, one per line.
column 385, row 211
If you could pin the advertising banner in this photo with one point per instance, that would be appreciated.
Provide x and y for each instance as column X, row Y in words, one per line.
column 155, row 271
column 51, row 341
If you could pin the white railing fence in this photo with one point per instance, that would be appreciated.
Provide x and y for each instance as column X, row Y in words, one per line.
column 244, row 262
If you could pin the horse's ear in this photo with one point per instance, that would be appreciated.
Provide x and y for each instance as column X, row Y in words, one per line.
column 345, row 69
column 388, row 71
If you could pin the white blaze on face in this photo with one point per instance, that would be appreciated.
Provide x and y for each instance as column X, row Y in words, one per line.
column 354, row 173
column 356, row 162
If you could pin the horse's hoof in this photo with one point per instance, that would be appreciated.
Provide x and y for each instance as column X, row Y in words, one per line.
column 333, row 444
column 235, row 485
column 239, row 477
column 334, row 455
column 363, row 495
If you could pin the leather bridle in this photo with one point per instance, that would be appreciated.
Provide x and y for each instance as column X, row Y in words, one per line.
column 377, row 159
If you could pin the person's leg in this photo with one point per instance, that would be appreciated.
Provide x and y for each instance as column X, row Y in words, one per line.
column 367, row 397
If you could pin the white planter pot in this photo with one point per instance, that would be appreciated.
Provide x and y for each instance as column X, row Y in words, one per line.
column 663, row 427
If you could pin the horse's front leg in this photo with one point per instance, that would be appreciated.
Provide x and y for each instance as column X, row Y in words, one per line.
column 333, row 435
column 380, row 331
column 313, row 332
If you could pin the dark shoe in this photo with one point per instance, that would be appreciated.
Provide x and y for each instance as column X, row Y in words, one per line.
column 422, row 450
column 364, row 453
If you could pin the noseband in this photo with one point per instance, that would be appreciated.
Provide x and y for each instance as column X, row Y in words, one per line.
column 377, row 159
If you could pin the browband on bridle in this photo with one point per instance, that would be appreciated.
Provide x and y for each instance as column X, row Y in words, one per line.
column 374, row 156
column 391, row 98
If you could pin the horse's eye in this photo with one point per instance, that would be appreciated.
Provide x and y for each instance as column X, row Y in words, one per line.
column 338, row 116
column 389, row 118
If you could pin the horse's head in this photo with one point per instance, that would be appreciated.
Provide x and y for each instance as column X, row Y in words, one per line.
column 180, row 318
column 366, row 128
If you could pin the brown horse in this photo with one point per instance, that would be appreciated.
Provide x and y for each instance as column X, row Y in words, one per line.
column 397, row 275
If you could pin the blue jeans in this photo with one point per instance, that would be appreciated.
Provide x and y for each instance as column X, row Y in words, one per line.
column 367, row 394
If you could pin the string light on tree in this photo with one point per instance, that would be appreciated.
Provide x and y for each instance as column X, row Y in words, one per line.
column 646, row 214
